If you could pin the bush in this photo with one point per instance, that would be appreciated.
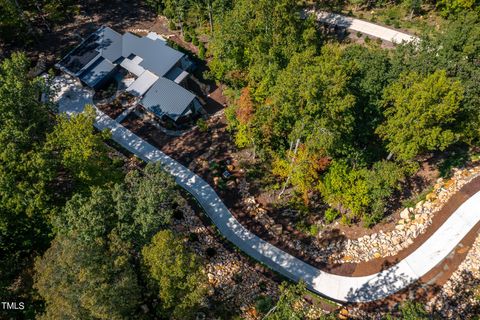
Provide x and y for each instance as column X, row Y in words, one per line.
column 172, row 25
column 314, row 230
column 330, row 215
column 202, row 125
column 186, row 36
column 211, row 252
column 362, row 192
column 359, row 34
column 201, row 50
column 194, row 39
column 193, row 237
column 367, row 39
column 263, row 304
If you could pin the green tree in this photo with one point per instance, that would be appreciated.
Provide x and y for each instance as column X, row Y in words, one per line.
column 82, row 151
column 256, row 38
column 144, row 203
column 87, row 281
column 94, row 264
column 134, row 210
column 360, row 192
column 26, row 172
column 23, row 19
column 455, row 48
column 421, row 114
column 177, row 272
column 450, row 7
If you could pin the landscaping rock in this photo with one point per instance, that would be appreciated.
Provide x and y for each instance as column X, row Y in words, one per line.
column 405, row 214
column 277, row 229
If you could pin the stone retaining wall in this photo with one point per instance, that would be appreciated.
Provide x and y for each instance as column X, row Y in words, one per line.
column 414, row 221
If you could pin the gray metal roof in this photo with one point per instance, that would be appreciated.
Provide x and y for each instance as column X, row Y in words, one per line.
column 142, row 84
column 167, row 97
column 97, row 71
column 157, row 56
column 110, row 43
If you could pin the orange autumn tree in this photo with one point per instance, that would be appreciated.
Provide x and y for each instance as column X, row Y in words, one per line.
column 244, row 114
column 245, row 110
column 301, row 169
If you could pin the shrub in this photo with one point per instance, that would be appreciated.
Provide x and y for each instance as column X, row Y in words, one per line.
column 202, row 125
column 314, row 230
column 367, row 39
column 362, row 192
column 192, row 237
column 201, row 50
column 195, row 40
column 172, row 25
column 359, row 34
column 330, row 215
column 211, row 252
column 186, row 36
column 263, row 304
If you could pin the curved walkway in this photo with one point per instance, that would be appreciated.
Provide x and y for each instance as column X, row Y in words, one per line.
column 341, row 288
column 364, row 27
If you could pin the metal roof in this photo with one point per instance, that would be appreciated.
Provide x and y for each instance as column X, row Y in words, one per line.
column 97, row 71
column 132, row 67
column 166, row 97
column 110, row 43
column 142, row 83
column 149, row 58
column 176, row 74
column 82, row 55
column 157, row 56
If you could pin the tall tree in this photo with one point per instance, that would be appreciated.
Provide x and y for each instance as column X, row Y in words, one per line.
column 135, row 209
column 421, row 114
column 87, row 280
column 177, row 272
column 26, row 172
column 81, row 150
column 361, row 193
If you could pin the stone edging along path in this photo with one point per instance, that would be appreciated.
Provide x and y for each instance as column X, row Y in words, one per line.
column 363, row 288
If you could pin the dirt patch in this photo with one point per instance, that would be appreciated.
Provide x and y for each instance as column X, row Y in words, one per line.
column 118, row 14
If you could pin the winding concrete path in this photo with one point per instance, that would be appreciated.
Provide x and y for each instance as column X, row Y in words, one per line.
column 364, row 27
column 340, row 288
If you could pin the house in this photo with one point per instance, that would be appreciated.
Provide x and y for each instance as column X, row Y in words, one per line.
column 153, row 71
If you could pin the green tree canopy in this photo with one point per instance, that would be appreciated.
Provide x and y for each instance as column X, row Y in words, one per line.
column 177, row 272
column 360, row 192
column 81, row 150
column 256, row 38
column 87, row 281
column 134, row 210
column 26, row 172
column 421, row 114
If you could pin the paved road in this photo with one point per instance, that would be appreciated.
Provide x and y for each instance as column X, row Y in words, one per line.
column 340, row 288
column 365, row 27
